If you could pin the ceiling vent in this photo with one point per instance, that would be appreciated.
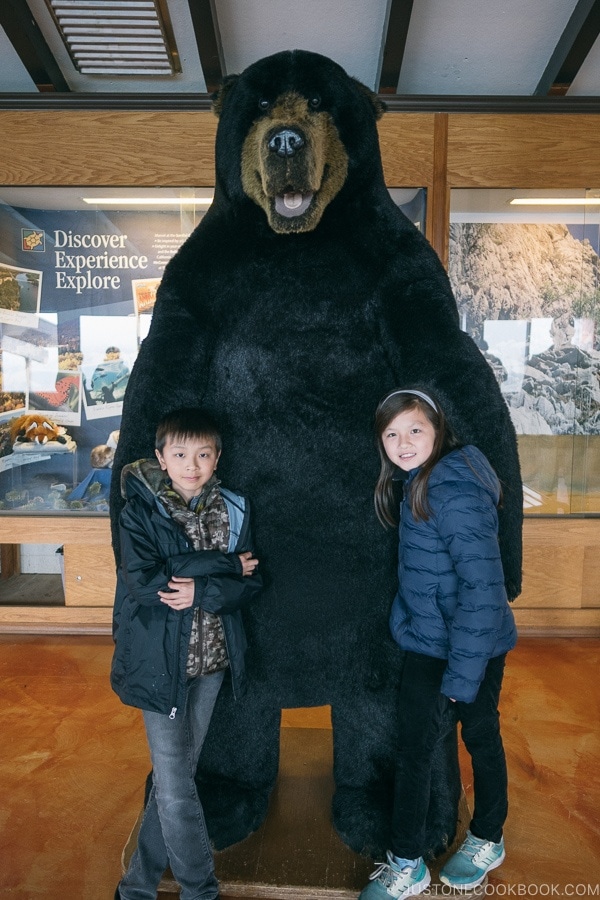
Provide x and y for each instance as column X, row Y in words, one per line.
column 117, row 37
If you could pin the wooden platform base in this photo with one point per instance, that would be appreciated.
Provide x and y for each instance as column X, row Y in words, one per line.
column 296, row 853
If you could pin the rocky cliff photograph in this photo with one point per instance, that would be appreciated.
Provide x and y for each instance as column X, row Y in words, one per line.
column 530, row 296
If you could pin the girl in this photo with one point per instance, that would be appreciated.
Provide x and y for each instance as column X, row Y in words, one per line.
column 451, row 617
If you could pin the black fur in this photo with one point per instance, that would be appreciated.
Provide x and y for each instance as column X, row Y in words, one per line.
column 290, row 340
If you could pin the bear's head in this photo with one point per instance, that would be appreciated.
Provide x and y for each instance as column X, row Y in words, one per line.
column 294, row 131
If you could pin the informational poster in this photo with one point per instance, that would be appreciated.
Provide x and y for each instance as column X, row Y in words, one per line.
column 77, row 292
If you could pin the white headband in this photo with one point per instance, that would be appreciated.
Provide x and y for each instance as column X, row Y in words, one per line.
column 417, row 394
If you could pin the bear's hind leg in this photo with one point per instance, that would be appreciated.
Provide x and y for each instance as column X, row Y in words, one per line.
column 238, row 766
column 364, row 745
column 363, row 769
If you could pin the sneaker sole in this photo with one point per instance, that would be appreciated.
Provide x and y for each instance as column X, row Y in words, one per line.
column 471, row 884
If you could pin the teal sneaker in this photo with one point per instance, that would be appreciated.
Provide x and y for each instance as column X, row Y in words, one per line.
column 469, row 865
column 388, row 880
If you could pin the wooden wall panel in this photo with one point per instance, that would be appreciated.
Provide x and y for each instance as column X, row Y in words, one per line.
column 406, row 142
column 552, row 576
column 524, row 151
column 107, row 148
column 154, row 148
column 590, row 596
column 89, row 575
column 561, row 569
column 158, row 148
column 54, row 530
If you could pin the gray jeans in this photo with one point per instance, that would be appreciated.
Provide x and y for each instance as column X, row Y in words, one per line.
column 173, row 832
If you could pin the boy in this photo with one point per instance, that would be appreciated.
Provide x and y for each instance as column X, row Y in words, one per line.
column 186, row 570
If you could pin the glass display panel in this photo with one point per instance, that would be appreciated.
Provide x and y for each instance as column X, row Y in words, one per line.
column 79, row 270
column 524, row 266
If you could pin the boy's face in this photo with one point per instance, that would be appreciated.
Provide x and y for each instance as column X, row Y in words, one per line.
column 189, row 463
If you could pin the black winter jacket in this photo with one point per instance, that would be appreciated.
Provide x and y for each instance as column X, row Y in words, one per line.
column 151, row 639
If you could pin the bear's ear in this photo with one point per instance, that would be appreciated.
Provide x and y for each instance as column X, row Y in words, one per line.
column 218, row 98
column 377, row 104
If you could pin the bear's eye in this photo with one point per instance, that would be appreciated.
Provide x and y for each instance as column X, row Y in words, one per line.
column 314, row 102
column 263, row 104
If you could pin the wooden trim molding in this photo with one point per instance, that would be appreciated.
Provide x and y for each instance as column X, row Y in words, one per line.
column 439, row 207
column 10, row 560
column 398, row 103
column 54, row 620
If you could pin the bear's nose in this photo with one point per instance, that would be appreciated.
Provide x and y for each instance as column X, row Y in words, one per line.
column 286, row 142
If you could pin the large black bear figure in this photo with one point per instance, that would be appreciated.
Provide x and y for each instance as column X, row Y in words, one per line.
column 300, row 299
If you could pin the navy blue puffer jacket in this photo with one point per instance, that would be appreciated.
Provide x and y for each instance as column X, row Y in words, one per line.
column 451, row 601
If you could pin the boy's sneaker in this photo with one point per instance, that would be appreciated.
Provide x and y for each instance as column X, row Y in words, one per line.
column 469, row 865
column 389, row 880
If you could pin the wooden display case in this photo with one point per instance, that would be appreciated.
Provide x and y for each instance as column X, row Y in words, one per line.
column 561, row 576
column 89, row 573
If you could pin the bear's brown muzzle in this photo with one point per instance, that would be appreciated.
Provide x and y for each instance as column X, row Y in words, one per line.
column 293, row 164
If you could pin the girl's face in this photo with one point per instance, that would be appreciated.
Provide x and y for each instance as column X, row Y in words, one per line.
column 408, row 439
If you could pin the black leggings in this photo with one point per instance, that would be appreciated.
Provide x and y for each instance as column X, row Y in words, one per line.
column 421, row 712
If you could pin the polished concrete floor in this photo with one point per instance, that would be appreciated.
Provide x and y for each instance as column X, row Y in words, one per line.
column 73, row 761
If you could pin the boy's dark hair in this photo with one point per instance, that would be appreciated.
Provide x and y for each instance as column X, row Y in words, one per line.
column 394, row 403
column 186, row 424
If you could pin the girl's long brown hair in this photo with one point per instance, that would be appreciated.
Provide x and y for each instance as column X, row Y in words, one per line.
column 394, row 403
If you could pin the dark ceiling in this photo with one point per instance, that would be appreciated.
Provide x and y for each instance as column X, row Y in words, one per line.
column 419, row 54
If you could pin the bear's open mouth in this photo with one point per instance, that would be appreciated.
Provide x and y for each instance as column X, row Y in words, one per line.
column 292, row 203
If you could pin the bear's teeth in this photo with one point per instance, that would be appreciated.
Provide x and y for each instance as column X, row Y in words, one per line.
column 293, row 201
